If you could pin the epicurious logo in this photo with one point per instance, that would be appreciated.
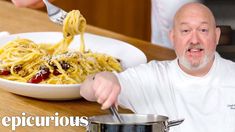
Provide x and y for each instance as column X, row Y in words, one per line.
column 40, row 121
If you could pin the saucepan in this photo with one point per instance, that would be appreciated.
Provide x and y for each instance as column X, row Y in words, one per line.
column 131, row 123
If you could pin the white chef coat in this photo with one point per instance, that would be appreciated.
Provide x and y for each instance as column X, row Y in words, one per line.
column 160, row 87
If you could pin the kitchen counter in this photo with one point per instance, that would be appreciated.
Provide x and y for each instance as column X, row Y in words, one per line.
column 18, row 20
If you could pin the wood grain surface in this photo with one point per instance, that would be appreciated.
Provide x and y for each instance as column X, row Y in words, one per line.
column 18, row 20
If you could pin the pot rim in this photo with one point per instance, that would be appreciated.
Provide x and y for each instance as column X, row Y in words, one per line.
column 161, row 119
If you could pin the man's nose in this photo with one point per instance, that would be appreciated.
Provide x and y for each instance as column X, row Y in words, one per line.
column 194, row 38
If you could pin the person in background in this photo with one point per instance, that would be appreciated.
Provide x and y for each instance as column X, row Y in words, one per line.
column 198, row 85
column 161, row 17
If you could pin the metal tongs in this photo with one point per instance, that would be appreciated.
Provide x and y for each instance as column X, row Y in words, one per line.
column 115, row 114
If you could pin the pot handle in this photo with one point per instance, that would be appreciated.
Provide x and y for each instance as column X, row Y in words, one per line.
column 174, row 122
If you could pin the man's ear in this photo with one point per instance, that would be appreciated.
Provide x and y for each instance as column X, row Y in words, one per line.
column 171, row 37
column 217, row 33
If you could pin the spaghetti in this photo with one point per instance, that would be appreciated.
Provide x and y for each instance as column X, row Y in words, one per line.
column 25, row 61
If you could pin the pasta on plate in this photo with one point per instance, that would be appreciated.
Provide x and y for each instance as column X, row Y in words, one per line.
column 25, row 61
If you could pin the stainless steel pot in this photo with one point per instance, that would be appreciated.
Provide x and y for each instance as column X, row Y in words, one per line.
column 132, row 123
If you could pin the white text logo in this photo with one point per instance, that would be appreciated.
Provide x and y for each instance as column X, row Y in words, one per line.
column 23, row 120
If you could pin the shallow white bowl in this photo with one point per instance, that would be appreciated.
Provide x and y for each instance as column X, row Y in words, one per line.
column 129, row 55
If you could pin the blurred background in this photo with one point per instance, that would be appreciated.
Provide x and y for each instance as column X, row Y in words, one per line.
column 129, row 17
column 132, row 17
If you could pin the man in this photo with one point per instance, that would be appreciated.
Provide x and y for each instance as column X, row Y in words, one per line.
column 162, row 14
column 198, row 85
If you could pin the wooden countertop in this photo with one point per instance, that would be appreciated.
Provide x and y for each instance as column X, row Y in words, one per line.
column 18, row 20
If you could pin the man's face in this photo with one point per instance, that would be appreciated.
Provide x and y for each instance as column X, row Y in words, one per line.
column 195, row 38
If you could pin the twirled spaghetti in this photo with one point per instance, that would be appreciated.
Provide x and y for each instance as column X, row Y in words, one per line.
column 23, row 60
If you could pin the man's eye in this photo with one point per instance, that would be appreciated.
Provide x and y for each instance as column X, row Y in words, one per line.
column 204, row 30
column 185, row 31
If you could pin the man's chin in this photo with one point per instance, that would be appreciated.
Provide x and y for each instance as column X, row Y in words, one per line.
column 193, row 65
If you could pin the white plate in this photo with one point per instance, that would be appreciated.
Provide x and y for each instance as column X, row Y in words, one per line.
column 128, row 54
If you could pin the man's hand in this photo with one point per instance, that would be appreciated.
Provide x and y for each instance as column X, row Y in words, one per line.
column 103, row 87
column 29, row 3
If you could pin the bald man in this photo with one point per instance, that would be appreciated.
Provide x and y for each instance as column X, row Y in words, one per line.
column 162, row 13
column 198, row 85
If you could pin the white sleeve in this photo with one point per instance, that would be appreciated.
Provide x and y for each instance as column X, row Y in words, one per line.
column 134, row 82
column 147, row 88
